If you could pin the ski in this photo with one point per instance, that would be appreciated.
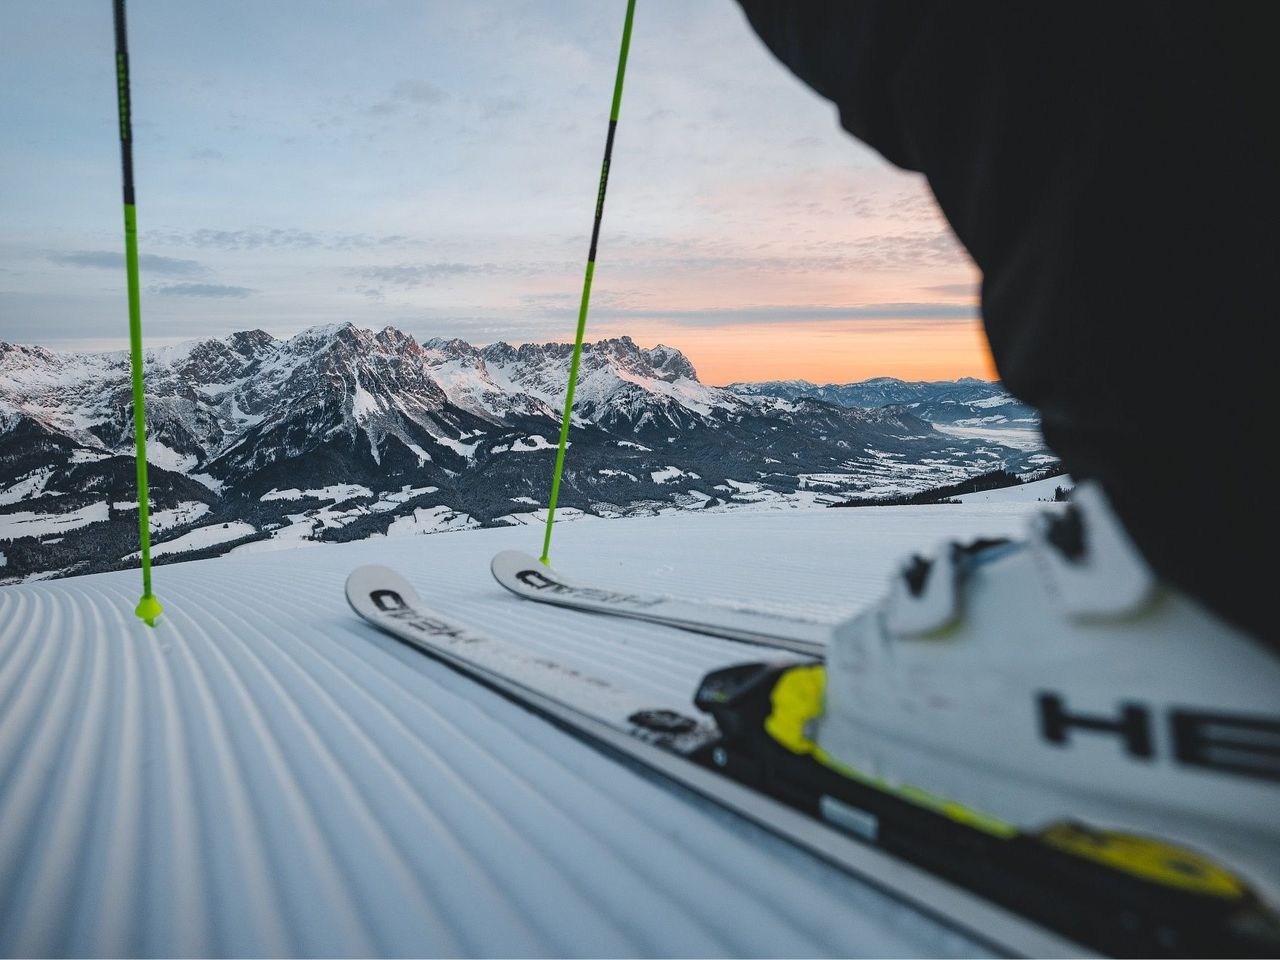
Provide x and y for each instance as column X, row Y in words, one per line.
column 679, row 749
column 385, row 599
column 529, row 578
column 1018, row 892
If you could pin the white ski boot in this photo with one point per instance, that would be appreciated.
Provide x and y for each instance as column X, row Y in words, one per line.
column 1049, row 708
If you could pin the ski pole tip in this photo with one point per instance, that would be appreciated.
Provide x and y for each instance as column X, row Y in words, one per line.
column 148, row 610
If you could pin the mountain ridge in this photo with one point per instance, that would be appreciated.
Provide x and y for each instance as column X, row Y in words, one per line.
column 340, row 432
column 967, row 401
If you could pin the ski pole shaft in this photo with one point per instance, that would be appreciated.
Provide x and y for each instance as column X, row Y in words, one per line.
column 576, row 362
column 148, row 608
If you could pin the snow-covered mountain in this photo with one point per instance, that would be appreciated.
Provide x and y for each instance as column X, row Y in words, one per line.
column 340, row 433
column 964, row 402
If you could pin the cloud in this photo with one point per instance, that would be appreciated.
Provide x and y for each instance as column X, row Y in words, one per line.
column 915, row 249
column 494, row 108
column 955, row 289
column 728, row 316
column 258, row 238
column 212, row 290
column 412, row 92
column 621, row 302
column 897, row 251
column 419, row 274
column 114, row 260
column 912, row 206
column 207, row 153
column 886, row 252
column 417, row 91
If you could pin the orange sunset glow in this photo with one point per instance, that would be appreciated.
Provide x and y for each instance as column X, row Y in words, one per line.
column 830, row 276
column 833, row 352
column 743, row 227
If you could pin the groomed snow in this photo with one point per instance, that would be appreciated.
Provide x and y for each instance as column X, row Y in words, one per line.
column 264, row 774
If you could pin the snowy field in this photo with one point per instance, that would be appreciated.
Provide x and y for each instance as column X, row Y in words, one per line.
column 29, row 524
column 201, row 538
column 1023, row 438
column 264, row 774
column 1041, row 490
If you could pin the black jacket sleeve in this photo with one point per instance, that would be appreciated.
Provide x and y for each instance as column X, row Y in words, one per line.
column 1112, row 170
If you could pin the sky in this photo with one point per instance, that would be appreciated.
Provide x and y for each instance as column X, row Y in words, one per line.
column 433, row 166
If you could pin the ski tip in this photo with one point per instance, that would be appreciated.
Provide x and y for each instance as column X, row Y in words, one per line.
column 374, row 576
column 506, row 565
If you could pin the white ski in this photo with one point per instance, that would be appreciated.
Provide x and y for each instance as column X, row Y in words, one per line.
column 388, row 601
column 660, row 743
column 527, row 577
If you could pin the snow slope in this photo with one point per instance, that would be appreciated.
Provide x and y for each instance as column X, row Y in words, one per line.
column 1023, row 493
column 201, row 537
column 264, row 774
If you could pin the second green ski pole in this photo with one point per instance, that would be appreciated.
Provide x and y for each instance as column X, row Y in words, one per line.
column 586, row 283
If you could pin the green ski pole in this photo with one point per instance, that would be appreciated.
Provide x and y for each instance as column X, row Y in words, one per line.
column 148, row 608
column 586, row 283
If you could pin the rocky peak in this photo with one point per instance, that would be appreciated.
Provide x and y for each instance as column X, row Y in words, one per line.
column 252, row 343
column 21, row 354
column 397, row 341
column 670, row 364
column 442, row 350
column 500, row 352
